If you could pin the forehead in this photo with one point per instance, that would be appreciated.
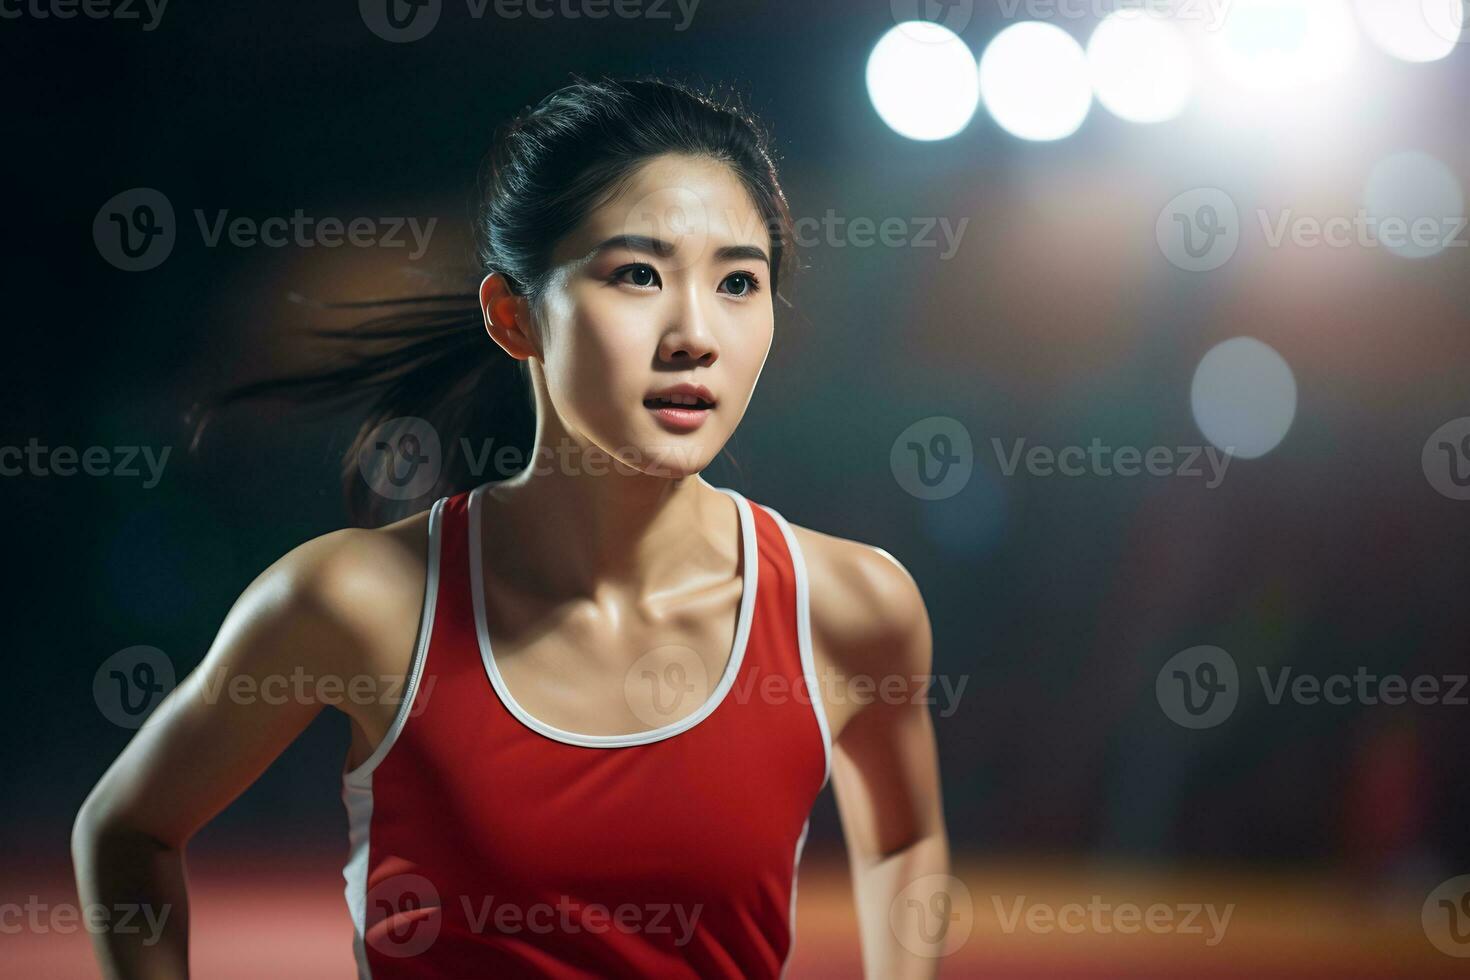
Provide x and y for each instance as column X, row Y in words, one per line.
column 689, row 201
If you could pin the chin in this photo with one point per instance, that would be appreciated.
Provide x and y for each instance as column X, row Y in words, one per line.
column 667, row 456
column 676, row 462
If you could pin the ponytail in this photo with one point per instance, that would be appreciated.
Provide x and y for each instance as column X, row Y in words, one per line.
column 427, row 359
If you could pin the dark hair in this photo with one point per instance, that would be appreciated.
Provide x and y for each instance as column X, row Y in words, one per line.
column 429, row 357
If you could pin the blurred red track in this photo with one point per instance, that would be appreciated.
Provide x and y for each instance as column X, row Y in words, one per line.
column 261, row 917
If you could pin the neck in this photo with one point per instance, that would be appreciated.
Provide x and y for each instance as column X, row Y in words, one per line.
column 574, row 524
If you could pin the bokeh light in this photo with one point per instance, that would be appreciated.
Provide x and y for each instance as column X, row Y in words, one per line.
column 1413, row 30
column 1141, row 67
column 1243, row 397
column 922, row 81
column 1279, row 45
column 1034, row 80
column 1415, row 204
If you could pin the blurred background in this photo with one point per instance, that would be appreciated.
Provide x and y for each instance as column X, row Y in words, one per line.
column 1137, row 332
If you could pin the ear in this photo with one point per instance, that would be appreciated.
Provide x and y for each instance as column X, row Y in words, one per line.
column 506, row 317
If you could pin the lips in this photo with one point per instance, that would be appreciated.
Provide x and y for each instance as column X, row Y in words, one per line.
column 681, row 396
column 682, row 407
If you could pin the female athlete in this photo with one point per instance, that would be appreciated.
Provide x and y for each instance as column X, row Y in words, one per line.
column 593, row 700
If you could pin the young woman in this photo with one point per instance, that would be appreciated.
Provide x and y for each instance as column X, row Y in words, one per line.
column 601, row 695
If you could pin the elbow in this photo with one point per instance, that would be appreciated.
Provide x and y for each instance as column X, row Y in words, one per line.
column 86, row 832
column 98, row 828
column 930, row 843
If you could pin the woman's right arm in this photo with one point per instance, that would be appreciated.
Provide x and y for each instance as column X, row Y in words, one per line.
column 321, row 610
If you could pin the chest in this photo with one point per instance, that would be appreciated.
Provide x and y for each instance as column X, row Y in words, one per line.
column 616, row 668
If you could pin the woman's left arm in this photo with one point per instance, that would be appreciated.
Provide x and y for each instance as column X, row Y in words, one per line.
column 871, row 632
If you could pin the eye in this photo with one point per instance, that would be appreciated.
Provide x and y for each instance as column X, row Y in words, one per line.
column 638, row 274
column 742, row 284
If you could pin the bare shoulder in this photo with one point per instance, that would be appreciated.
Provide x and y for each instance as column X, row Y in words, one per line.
column 356, row 567
column 349, row 598
column 868, row 616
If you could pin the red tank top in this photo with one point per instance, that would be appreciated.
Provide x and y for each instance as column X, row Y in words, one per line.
column 486, row 843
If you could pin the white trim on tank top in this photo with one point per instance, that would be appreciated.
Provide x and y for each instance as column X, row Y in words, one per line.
column 420, row 650
column 804, row 641
column 357, row 784
column 751, row 565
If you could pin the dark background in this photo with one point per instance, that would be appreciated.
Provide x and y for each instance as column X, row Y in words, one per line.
column 1057, row 321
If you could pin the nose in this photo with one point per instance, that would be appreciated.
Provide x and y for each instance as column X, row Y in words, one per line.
column 687, row 336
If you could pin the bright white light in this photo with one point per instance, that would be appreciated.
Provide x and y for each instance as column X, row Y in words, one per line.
column 1415, row 204
column 1141, row 68
column 1278, row 45
column 922, row 80
column 1244, row 397
column 1414, row 30
column 1033, row 77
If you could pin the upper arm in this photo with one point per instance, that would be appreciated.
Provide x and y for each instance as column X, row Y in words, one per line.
column 310, row 615
column 872, row 631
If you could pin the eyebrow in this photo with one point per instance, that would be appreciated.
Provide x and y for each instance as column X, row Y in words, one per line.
column 663, row 249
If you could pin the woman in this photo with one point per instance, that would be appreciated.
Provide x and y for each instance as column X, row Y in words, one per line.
column 603, row 693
